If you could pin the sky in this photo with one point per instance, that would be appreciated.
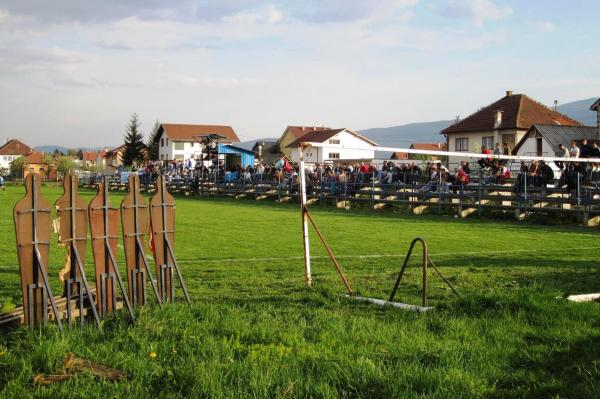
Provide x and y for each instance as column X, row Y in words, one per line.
column 72, row 72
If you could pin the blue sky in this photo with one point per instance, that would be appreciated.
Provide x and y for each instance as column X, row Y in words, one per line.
column 71, row 72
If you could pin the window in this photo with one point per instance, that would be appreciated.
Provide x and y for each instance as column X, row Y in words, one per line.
column 178, row 146
column 178, row 157
column 487, row 142
column 162, row 157
column 509, row 139
column 162, row 142
column 167, row 142
column 334, row 141
column 334, row 155
column 461, row 144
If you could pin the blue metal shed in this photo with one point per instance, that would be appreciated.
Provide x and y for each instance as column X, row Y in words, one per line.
column 236, row 155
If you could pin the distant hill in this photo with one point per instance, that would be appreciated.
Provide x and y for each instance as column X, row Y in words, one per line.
column 404, row 135
column 247, row 145
column 50, row 148
column 580, row 110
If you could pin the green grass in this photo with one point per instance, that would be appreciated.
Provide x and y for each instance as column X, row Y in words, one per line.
column 255, row 330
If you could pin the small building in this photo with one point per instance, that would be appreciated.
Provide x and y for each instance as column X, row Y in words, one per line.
column 235, row 156
column 543, row 140
column 37, row 162
column 182, row 142
column 293, row 133
column 113, row 158
column 505, row 121
column 12, row 150
column 94, row 158
column 338, row 144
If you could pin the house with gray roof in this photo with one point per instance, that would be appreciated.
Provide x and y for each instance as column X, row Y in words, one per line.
column 543, row 140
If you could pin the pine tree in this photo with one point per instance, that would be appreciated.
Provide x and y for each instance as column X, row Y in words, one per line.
column 134, row 142
column 152, row 143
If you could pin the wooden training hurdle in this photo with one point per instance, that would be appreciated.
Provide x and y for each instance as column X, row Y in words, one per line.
column 32, row 217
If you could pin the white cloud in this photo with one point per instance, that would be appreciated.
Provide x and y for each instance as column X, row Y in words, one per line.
column 478, row 11
column 544, row 26
column 269, row 15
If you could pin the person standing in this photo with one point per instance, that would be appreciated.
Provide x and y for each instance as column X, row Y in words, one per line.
column 2, row 183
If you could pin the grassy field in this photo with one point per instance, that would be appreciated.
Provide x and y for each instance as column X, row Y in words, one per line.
column 255, row 330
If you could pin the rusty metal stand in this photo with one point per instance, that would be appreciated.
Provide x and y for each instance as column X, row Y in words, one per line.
column 163, row 226
column 32, row 263
column 134, row 250
column 108, row 269
column 426, row 262
column 337, row 265
column 68, row 234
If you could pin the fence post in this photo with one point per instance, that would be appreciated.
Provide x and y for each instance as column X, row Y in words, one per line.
column 373, row 191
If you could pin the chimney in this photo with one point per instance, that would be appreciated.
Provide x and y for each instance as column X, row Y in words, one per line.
column 498, row 120
column 508, row 93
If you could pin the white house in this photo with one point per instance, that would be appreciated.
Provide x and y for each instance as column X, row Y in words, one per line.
column 182, row 142
column 12, row 150
column 334, row 144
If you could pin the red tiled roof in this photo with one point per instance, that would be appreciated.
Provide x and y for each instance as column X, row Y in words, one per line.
column 399, row 155
column 35, row 158
column 299, row 131
column 15, row 147
column 315, row 136
column 518, row 112
column 429, row 146
column 90, row 155
column 320, row 136
column 177, row 132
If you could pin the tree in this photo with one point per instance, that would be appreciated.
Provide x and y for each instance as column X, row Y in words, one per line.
column 134, row 142
column 80, row 154
column 152, row 143
column 17, row 167
column 65, row 165
column 72, row 152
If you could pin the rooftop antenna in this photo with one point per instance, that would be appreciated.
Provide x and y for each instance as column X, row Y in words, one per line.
column 556, row 105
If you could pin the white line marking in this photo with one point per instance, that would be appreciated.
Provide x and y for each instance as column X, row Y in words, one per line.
column 375, row 256
column 368, row 256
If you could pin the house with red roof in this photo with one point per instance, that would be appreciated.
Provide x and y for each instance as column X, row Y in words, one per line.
column 182, row 142
column 12, row 150
column 331, row 145
column 293, row 133
column 506, row 121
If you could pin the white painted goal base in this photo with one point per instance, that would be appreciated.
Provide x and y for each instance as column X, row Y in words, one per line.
column 584, row 297
column 405, row 306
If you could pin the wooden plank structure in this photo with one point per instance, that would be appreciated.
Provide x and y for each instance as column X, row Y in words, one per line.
column 72, row 212
column 32, row 227
column 104, row 227
column 162, row 221
column 135, row 223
